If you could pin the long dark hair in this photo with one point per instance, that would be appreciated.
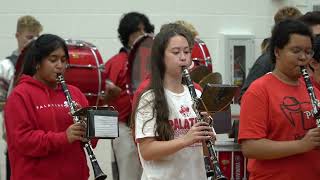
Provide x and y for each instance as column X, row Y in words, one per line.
column 160, row 108
column 41, row 48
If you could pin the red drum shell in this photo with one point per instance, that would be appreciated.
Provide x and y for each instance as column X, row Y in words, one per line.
column 85, row 70
column 200, row 54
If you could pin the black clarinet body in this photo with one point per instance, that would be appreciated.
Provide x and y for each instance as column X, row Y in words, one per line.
column 312, row 95
column 214, row 171
column 98, row 174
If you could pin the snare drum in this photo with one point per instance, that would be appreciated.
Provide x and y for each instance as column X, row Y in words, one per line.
column 200, row 54
column 85, row 70
column 231, row 160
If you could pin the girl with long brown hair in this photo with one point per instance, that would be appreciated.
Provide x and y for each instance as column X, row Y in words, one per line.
column 166, row 131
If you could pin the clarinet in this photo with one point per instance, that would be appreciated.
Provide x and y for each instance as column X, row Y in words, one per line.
column 98, row 174
column 216, row 171
column 312, row 95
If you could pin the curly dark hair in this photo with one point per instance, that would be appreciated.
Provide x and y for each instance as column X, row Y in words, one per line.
column 287, row 12
column 282, row 32
column 129, row 23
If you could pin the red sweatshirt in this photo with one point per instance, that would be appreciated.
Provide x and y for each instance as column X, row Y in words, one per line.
column 36, row 119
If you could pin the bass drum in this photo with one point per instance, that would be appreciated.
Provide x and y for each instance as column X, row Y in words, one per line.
column 200, row 55
column 86, row 70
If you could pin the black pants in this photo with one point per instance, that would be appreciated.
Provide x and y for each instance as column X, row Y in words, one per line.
column 8, row 166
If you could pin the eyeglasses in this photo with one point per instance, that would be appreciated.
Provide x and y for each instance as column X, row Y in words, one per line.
column 299, row 52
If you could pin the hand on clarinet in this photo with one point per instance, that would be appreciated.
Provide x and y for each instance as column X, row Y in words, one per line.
column 206, row 117
column 200, row 131
column 311, row 140
column 76, row 132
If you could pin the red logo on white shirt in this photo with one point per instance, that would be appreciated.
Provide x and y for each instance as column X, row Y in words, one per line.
column 185, row 111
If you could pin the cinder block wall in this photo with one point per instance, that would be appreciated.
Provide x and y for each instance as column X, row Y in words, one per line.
column 96, row 21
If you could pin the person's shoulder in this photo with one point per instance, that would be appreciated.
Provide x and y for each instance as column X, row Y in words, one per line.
column 121, row 56
column 149, row 94
column 262, row 88
column 23, row 89
column 146, row 98
column 6, row 63
column 142, row 87
column 264, row 59
column 263, row 81
column 4, row 60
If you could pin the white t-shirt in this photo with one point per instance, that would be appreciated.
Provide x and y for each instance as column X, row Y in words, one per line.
column 6, row 82
column 6, row 76
column 186, row 164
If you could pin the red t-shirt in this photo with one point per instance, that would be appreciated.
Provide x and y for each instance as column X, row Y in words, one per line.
column 116, row 71
column 277, row 111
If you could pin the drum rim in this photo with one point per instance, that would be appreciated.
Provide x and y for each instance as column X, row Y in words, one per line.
column 132, row 54
column 75, row 44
